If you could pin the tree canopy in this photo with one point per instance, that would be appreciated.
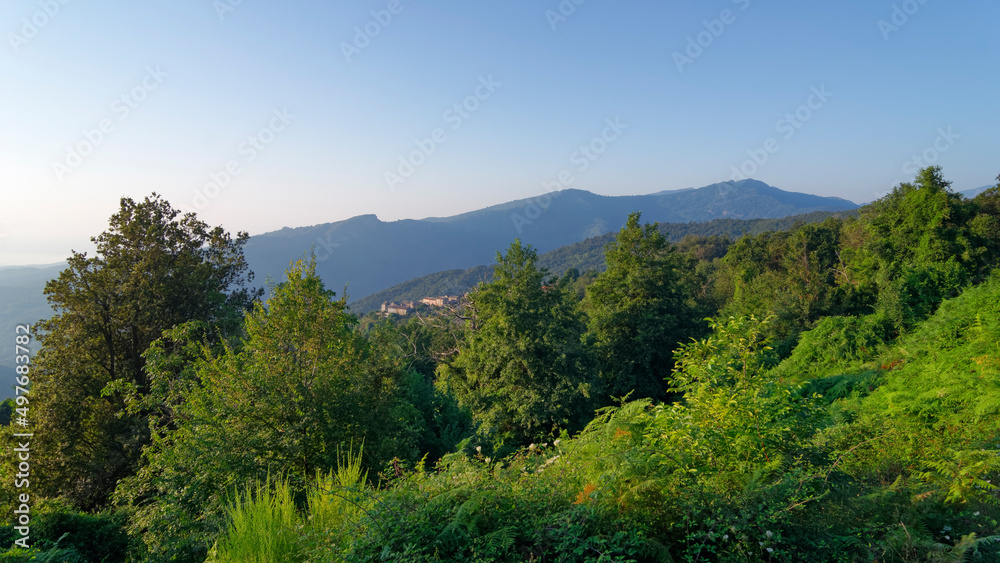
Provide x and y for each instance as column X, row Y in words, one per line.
column 522, row 370
column 153, row 269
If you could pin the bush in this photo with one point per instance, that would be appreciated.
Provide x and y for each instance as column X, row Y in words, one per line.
column 69, row 535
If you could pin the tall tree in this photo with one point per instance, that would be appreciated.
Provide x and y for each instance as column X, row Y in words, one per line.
column 641, row 308
column 301, row 391
column 153, row 269
column 789, row 276
column 918, row 248
column 522, row 370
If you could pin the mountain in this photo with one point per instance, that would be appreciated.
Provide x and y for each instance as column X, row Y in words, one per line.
column 372, row 255
column 21, row 302
column 584, row 255
column 976, row 191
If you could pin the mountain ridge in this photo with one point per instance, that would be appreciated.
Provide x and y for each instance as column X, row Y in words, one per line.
column 371, row 254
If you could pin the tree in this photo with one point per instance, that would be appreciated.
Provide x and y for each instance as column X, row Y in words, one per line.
column 301, row 391
column 789, row 276
column 522, row 369
column 918, row 248
column 640, row 309
column 153, row 269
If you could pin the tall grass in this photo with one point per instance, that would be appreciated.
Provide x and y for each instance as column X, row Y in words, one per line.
column 337, row 503
column 265, row 525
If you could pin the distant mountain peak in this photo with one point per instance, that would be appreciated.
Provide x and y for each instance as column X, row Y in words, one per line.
column 372, row 255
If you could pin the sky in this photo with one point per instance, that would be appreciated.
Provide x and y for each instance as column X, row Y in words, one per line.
column 259, row 114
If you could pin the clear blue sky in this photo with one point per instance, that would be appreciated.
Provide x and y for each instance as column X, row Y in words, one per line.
column 200, row 78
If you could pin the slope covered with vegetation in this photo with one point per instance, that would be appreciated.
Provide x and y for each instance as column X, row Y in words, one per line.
column 839, row 404
column 587, row 255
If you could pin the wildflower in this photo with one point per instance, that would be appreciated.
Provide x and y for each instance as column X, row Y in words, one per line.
column 725, row 536
column 479, row 449
column 556, row 443
column 531, row 447
column 770, row 550
column 768, row 534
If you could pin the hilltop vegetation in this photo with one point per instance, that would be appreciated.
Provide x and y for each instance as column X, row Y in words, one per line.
column 588, row 255
column 368, row 255
column 840, row 403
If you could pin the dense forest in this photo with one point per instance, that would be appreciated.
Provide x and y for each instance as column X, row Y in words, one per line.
column 824, row 391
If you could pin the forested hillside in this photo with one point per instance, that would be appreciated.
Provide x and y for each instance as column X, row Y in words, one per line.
column 369, row 255
column 584, row 256
column 822, row 391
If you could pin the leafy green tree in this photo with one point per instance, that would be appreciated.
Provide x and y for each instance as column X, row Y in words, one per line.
column 303, row 389
column 522, row 370
column 153, row 269
column 792, row 277
column 641, row 308
column 917, row 249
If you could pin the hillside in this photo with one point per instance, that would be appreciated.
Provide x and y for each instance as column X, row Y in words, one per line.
column 21, row 302
column 367, row 255
column 584, row 255
column 371, row 255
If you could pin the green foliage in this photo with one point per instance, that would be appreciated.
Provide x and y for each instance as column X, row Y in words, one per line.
column 938, row 410
column 265, row 523
column 302, row 384
column 833, row 345
column 59, row 533
column 262, row 527
column 640, row 309
column 860, row 421
column 588, row 255
column 443, row 423
column 742, row 419
column 922, row 243
column 153, row 269
column 522, row 370
column 36, row 555
column 478, row 510
column 791, row 276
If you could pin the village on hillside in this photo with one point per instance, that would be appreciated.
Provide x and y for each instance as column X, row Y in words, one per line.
column 404, row 308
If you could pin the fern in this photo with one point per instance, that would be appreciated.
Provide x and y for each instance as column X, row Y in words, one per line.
column 499, row 541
